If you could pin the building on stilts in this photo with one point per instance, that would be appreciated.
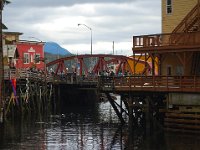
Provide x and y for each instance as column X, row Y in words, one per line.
column 27, row 86
column 177, row 50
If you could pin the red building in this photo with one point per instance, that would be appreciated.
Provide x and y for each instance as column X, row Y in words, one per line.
column 30, row 55
column 22, row 54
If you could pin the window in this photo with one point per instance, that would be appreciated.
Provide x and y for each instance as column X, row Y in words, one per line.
column 179, row 70
column 26, row 58
column 169, row 6
column 37, row 58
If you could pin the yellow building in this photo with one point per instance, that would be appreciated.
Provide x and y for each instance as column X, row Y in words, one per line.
column 173, row 12
column 11, row 37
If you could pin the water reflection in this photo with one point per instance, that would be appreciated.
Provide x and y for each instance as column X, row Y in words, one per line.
column 87, row 129
column 75, row 129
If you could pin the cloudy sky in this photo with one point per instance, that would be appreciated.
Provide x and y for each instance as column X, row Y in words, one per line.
column 110, row 20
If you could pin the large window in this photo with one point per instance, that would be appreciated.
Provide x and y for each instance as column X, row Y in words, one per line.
column 169, row 6
column 26, row 58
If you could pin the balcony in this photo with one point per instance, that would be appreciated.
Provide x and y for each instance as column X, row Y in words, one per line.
column 169, row 42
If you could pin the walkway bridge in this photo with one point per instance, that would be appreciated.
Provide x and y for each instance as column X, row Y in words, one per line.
column 97, row 64
column 85, row 70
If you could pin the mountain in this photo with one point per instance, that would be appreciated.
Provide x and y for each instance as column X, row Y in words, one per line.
column 54, row 48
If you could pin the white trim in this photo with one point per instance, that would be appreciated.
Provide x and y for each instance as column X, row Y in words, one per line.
column 31, row 50
column 26, row 58
column 169, row 6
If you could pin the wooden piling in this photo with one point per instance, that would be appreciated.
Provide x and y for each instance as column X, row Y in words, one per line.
column 130, row 123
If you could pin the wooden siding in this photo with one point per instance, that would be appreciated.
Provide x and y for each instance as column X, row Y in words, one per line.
column 180, row 8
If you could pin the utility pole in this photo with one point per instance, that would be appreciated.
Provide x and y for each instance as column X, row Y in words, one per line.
column 90, row 36
column 1, row 66
column 113, row 47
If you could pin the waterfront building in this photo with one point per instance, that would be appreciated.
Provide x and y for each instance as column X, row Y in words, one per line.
column 22, row 54
column 176, row 53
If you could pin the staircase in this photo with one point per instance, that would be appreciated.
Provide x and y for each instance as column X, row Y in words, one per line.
column 191, row 23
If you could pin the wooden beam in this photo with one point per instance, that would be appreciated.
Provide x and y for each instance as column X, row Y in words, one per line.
column 115, row 107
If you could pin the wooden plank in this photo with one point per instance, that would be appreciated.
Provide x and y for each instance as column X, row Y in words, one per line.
column 182, row 130
column 182, row 126
column 181, row 115
column 163, row 110
column 187, row 121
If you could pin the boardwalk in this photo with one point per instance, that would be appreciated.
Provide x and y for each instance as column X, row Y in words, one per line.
column 151, row 83
column 123, row 83
column 24, row 73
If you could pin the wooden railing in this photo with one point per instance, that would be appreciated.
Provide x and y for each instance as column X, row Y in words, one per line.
column 69, row 78
column 173, row 40
column 23, row 74
column 152, row 83
column 124, row 83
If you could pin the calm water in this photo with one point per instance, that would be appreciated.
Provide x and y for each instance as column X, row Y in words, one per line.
column 87, row 129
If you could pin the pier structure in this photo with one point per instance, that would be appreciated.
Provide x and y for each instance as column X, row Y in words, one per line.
column 26, row 92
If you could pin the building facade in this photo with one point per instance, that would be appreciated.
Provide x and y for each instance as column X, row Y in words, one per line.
column 31, row 55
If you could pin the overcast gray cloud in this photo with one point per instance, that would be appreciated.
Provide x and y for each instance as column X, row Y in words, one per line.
column 110, row 20
column 55, row 3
